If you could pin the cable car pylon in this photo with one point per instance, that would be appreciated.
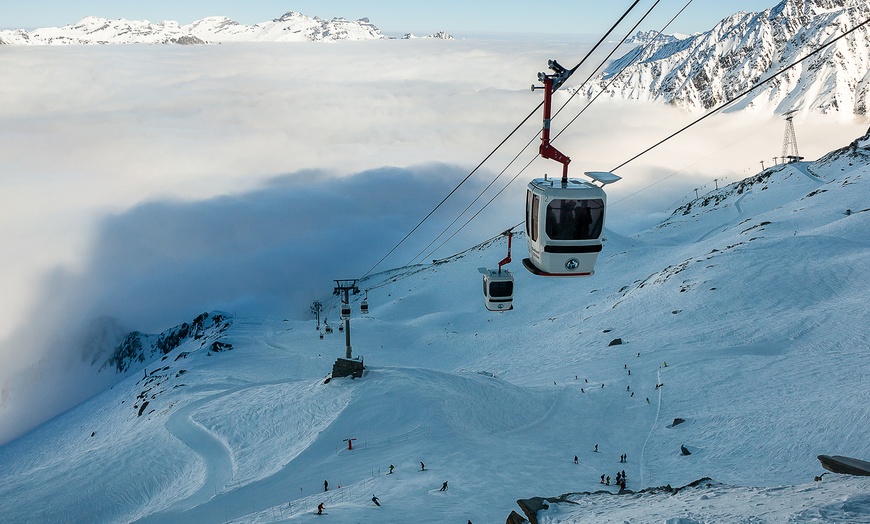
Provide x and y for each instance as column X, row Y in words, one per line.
column 498, row 284
column 564, row 218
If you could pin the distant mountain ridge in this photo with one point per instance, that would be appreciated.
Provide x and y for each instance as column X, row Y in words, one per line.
column 290, row 27
column 701, row 71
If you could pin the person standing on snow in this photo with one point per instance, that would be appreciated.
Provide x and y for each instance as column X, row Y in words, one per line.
column 375, row 500
column 391, row 468
column 320, row 508
column 325, row 486
column 444, row 486
column 422, row 467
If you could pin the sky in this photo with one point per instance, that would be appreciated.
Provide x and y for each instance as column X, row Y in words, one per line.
column 461, row 17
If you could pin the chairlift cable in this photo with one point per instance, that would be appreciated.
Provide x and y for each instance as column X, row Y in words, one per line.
column 390, row 252
column 615, row 76
column 570, row 72
column 742, row 94
column 601, row 40
column 674, row 134
column 613, row 79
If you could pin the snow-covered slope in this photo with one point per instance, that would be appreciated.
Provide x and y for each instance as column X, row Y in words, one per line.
column 290, row 27
column 700, row 72
column 744, row 314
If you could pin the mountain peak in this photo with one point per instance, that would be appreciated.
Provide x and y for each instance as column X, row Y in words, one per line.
column 703, row 71
column 289, row 27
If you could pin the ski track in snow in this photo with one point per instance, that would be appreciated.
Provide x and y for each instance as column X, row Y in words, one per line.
column 213, row 451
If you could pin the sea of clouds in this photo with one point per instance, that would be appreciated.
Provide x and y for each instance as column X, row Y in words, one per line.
column 142, row 185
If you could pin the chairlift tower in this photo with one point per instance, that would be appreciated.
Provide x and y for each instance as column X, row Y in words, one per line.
column 789, row 142
column 345, row 287
column 316, row 308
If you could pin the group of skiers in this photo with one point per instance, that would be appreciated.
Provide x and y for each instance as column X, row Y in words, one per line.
column 620, row 479
column 322, row 506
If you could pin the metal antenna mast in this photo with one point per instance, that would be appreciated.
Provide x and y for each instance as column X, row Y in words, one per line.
column 789, row 142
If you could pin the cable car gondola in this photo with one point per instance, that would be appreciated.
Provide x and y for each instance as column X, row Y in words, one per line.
column 364, row 305
column 564, row 218
column 498, row 284
column 345, row 311
column 498, row 289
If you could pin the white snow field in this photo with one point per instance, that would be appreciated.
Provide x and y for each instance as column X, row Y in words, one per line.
column 749, row 307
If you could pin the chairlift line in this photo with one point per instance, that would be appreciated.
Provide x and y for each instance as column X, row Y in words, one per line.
column 488, row 156
column 494, row 197
column 743, row 93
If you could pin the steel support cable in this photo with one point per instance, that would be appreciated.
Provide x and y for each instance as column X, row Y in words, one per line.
column 743, row 93
column 600, row 41
column 390, row 252
column 420, row 266
column 615, row 76
column 464, row 211
column 480, row 195
column 722, row 106
column 613, row 79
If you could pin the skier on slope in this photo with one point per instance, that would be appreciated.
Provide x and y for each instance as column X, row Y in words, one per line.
column 375, row 500
column 320, row 508
column 444, row 486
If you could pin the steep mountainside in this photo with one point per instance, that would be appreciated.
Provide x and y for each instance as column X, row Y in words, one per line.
column 701, row 71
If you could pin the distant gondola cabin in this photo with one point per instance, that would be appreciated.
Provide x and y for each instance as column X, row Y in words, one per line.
column 498, row 289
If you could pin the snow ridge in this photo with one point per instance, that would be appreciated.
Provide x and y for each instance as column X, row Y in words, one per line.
column 701, row 71
column 289, row 27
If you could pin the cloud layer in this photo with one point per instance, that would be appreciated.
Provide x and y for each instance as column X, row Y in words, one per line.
column 143, row 185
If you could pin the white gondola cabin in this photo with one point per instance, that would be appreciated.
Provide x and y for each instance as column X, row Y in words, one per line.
column 564, row 217
column 498, row 289
column 564, row 224
column 364, row 305
column 345, row 311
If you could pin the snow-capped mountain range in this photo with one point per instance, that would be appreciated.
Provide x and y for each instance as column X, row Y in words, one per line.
column 735, row 329
column 290, row 27
column 702, row 71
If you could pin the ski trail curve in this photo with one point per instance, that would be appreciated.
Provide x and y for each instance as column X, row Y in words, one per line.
column 212, row 450
column 654, row 424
